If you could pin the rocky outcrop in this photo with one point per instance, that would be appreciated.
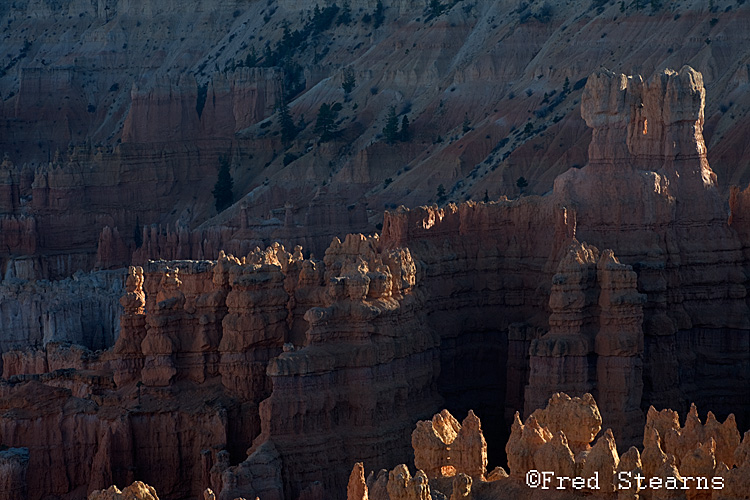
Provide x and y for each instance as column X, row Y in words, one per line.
column 176, row 109
column 536, row 451
column 181, row 85
column 268, row 364
column 651, row 133
column 367, row 327
column 444, row 447
column 241, row 338
column 136, row 491
column 82, row 309
column 14, row 464
column 595, row 338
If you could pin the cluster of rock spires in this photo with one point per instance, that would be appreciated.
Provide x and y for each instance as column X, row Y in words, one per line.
column 211, row 353
column 270, row 374
column 693, row 461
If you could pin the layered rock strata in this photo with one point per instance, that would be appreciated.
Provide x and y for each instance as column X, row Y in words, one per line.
column 262, row 350
column 301, row 362
column 334, row 397
column 648, row 195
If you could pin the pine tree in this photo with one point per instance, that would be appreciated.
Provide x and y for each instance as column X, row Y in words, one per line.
column 325, row 125
column 441, row 197
column 522, row 184
column 269, row 57
column 404, row 134
column 288, row 130
column 390, row 131
column 346, row 15
column 222, row 191
column 435, row 8
column 379, row 15
column 349, row 81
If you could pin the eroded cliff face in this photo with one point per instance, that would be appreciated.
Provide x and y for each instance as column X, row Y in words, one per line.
column 119, row 114
column 214, row 356
column 279, row 371
column 82, row 309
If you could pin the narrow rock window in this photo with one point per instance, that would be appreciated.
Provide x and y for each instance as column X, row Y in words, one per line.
column 645, row 126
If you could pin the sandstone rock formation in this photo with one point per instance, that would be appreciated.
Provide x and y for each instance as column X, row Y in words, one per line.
column 602, row 472
column 367, row 325
column 245, row 374
column 357, row 487
column 229, row 334
column 82, row 309
column 136, row 491
column 444, row 447
column 13, row 473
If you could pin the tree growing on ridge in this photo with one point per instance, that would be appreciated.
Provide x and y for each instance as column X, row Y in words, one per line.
column 288, row 129
column 390, row 131
column 349, row 81
column 522, row 184
column 325, row 125
column 441, row 196
column 404, row 134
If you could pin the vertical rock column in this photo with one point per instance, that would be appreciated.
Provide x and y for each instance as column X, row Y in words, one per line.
column 159, row 345
column 561, row 360
column 520, row 336
column 255, row 327
column 129, row 361
column 619, row 349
